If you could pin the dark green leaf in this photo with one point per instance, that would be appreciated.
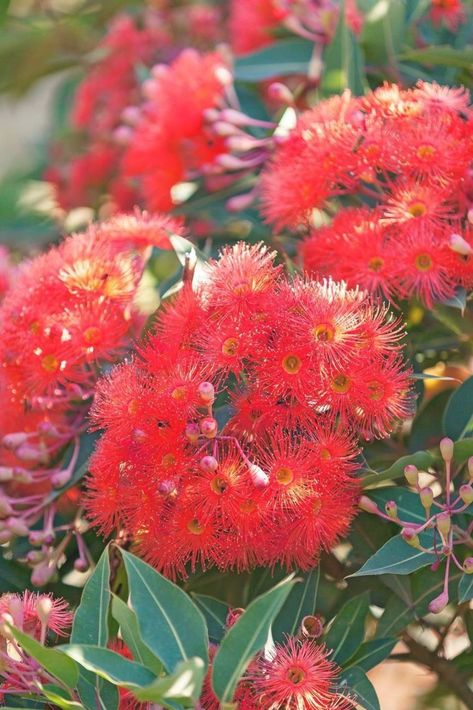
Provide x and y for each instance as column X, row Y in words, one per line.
column 58, row 665
column 290, row 56
column 444, row 55
column 245, row 638
column 397, row 557
column 183, row 686
column 130, row 633
column 371, row 653
column 384, row 32
column 215, row 613
column 465, row 588
column 458, row 416
column 409, row 506
column 109, row 665
column 178, row 631
column 458, row 300
column 300, row 602
column 347, row 631
column 421, row 459
column 357, row 683
column 427, row 426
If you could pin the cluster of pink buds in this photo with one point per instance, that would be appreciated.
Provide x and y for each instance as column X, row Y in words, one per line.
column 440, row 519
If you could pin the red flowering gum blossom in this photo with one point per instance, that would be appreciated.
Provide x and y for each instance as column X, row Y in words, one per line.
column 303, row 369
column 252, row 23
column 170, row 140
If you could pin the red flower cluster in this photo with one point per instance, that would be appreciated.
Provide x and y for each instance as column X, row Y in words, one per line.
column 451, row 13
column 71, row 309
column 35, row 615
column 408, row 155
column 170, row 140
column 300, row 368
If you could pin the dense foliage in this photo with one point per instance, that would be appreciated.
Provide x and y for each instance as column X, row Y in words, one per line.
column 236, row 462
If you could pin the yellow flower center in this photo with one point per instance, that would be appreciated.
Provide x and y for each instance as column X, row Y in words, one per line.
column 230, row 347
column 92, row 335
column 341, row 384
column 423, row 262
column 324, row 332
column 291, row 364
column 376, row 263
column 219, row 485
column 168, row 460
column 194, row 527
column 425, row 152
column 50, row 363
column 179, row 392
column 417, row 209
column 132, row 406
column 295, row 675
column 375, row 390
column 284, row 476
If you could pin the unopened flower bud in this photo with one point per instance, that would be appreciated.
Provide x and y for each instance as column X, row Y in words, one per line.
column 412, row 474
column 42, row 574
column 466, row 493
column 6, row 620
column 21, row 475
column 14, row 440
column 36, row 537
column 470, row 215
column 208, row 463
column 468, row 565
column 368, row 505
column 31, row 452
column 131, row 115
column 34, row 557
column 223, row 75
column 5, row 536
column 5, row 507
column 139, row 436
column 60, row 478
column 6, row 474
column 258, row 476
column 44, row 607
column 240, row 202
column 209, row 427
column 17, row 526
column 470, row 467
column 81, row 565
column 410, row 536
column 460, row 245
column 167, row 487
column 426, row 497
column 446, row 449
column 312, row 627
column 192, row 432
column 439, row 603
column 391, row 508
column 206, row 392
column 233, row 616
column 444, row 523
column 279, row 92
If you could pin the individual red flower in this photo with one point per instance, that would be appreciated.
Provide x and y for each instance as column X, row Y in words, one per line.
column 448, row 12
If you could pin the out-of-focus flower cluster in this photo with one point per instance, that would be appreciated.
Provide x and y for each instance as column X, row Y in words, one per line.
column 70, row 310
column 301, row 368
column 406, row 157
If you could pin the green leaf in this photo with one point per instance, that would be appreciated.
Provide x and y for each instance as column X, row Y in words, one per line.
column 458, row 300
column 178, row 631
column 245, row 638
column 109, row 665
column 458, row 417
column 384, row 31
column 465, row 588
column 347, row 631
column 300, row 603
column 289, row 56
column 421, row 459
column 58, row 665
column 443, row 55
column 360, row 686
column 183, row 686
column 397, row 557
column 427, row 428
column 343, row 62
column 91, row 627
column 371, row 653
column 409, row 506
column 57, row 696
column 130, row 632
column 215, row 613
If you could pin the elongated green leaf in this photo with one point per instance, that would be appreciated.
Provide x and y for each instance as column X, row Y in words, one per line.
column 300, row 602
column 91, row 627
column 443, row 55
column 178, row 631
column 347, row 630
column 371, row 653
column 427, row 426
column 183, row 686
column 397, row 557
column 130, row 632
column 247, row 636
column 421, row 459
column 357, row 683
column 465, row 588
column 215, row 613
column 58, row 665
column 458, row 416
column 57, row 696
column 408, row 503
column 109, row 665
column 384, row 31
column 290, row 56
column 343, row 62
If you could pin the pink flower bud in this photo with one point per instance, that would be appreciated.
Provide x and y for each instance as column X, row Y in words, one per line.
column 439, row 603
column 81, row 565
column 470, row 467
column 5, row 507
column 410, row 536
column 468, row 565
column 44, row 607
column 280, row 93
column 368, row 505
column 60, row 478
column 224, row 129
column 258, row 476
column 6, row 474
column 412, row 474
column 426, row 497
column 444, row 523
column 240, row 202
column 446, row 449
column 42, row 574
column 18, row 527
column 312, row 627
column 6, row 620
column 139, row 436
column 466, row 493
column 209, row 463
column 206, row 392
column 5, row 536
column 37, row 537
column 31, row 452
column 391, row 508
column 14, row 440
column 460, row 245
column 209, row 427
column 35, row 556
column 192, row 432
column 470, row 215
